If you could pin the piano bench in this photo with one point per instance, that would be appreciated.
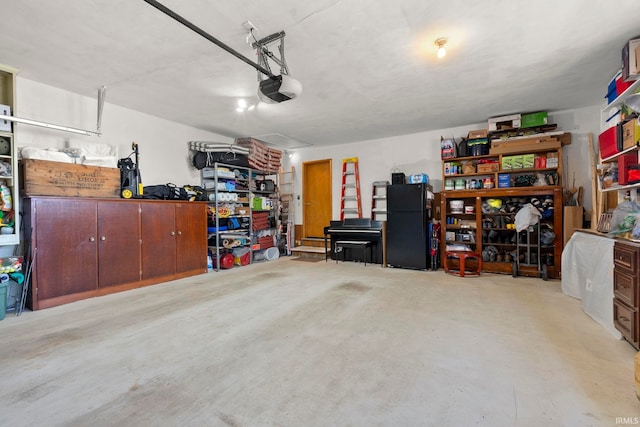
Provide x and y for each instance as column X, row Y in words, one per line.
column 462, row 256
column 363, row 245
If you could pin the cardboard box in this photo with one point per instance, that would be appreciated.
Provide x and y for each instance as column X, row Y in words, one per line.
column 418, row 178
column 504, row 180
column 540, row 162
column 626, row 162
column 46, row 178
column 523, row 145
column 507, row 162
column 552, row 160
column 630, row 134
column 572, row 218
column 517, row 161
column 487, row 167
column 512, row 121
column 530, row 120
column 528, row 161
column 477, row 134
column 631, row 60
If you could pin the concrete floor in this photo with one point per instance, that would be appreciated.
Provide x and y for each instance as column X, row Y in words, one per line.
column 293, row 343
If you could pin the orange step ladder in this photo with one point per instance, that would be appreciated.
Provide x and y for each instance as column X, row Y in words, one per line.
column 350, row 203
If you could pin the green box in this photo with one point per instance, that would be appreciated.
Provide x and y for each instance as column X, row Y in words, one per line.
column 528, row 161
column 534, row 119
column 517, row 162
column 507, row 162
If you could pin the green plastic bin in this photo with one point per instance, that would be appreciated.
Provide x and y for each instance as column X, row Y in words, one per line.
column 3, row 299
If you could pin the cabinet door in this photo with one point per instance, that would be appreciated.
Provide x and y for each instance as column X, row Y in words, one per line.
column 157, row 222
column 118, row 243
column 191, row 242
column 67, row 248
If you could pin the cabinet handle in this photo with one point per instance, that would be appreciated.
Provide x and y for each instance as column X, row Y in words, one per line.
column 179, row 233
column 173, row 233
column 103, row 238
column 92, row 239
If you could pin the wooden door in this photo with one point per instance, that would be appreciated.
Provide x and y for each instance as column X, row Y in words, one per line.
column 65, row 240
column 316, row 197
column 191, row 239
column 157, row 224
column 118, row 243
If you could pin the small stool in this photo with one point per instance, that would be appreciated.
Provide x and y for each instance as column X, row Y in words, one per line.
column 462, row 256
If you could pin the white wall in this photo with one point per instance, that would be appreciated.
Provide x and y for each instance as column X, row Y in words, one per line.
column 420, row 153
column 164, row 153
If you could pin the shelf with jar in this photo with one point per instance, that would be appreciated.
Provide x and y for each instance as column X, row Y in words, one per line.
column 229, row 222
column 10, row 200
column 265, row 220
column 535, row 167
column 484, row 221
column 243, row 205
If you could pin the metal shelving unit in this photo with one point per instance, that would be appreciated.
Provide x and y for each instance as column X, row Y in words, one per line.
column 233, row 193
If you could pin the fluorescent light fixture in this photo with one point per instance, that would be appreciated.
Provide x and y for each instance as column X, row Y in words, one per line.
column 49, row 125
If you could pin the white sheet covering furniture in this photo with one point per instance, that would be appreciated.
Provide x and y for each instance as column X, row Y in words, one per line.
column 587, row 274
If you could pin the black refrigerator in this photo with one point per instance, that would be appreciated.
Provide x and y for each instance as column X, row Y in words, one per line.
column 408, row 231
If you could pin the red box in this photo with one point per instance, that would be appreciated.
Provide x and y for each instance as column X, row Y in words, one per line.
column 624, row 164
column 539, row 162
column 621, row 85
column 608, row 141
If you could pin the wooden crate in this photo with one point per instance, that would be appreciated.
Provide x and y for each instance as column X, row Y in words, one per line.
column 47, row 178
column 487, row 167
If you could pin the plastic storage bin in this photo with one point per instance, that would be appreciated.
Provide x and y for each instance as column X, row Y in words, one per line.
column 3, row 299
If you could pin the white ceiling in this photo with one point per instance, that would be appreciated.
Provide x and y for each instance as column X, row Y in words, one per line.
column 368, row 68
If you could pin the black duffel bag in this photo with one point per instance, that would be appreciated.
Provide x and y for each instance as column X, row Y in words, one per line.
column 164, row 192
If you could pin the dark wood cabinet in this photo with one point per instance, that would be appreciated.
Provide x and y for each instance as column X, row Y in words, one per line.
column 173, row 241
column 67, row 245
column 89, row 247
column 191, row 248
column 159, row 242
column 118, row 243
column 626, row 258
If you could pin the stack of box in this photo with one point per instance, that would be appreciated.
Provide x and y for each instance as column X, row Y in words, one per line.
column 478, row 142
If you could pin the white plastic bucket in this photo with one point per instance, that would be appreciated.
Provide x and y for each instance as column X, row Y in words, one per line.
column 456, row 206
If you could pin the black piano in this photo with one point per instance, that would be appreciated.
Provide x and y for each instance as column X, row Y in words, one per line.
column 356, row 230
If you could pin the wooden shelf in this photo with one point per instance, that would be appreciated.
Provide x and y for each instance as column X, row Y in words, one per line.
column 617, row 187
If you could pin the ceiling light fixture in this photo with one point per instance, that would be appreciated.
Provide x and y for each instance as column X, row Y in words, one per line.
column 440, row 42
column 243, row 106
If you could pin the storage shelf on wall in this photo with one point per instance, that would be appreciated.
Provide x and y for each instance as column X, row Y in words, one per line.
column 8, row 97
column 239, row 208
